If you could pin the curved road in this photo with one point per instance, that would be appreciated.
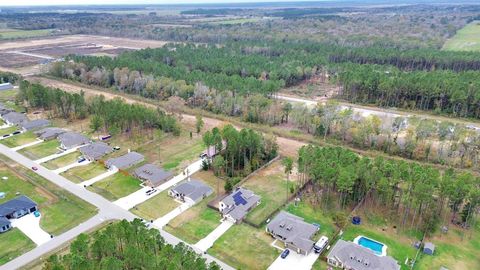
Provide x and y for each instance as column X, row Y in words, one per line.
column 107, row 211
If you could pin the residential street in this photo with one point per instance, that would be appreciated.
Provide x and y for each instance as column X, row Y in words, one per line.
column 107, row 211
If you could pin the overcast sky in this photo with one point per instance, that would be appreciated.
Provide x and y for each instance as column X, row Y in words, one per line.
column 134, row 2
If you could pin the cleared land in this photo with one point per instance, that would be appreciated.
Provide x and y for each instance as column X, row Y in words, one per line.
column 13, row 244
column 62, row 161
column 60, row 210
column 41, row 150
column 270, row 184
column 244, row 247
column 466, row 39
column 84, row 173
column 18, row 33
column 156, row 207
column 116, row 186
column 19, row 140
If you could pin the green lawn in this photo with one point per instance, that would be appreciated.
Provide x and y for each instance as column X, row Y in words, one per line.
column 271, row 185
column 116, row 186
column 195, row 223
column 156, row 207
column 13, row 244
column 84, row 173
column 60, row 209
column 41, row 150
column 15, row 33
column 62, row 161
column 20, row 139
column 313, row 215
column 245, row 247
column 466, row 39
column 8, row 130
column 8, row 95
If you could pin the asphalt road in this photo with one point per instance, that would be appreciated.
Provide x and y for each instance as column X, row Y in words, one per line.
column 107, row 211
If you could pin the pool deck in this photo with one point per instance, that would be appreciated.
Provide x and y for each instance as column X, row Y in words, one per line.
column 384, row 247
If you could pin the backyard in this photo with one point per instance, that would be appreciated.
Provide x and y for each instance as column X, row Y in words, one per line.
column 13, row 244
column 245, row 247
column 62, row 161
column 19, row 140
column 41, row 150
column 271, row 185
column 156, row 207
column 84, row 173
column 116, row 186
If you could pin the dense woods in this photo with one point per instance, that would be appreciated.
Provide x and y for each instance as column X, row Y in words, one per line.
column 418, row 196
column 126, row 245
column 8, row 77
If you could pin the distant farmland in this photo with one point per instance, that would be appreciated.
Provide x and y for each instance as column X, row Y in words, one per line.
column 16, row 33
column 466, row 39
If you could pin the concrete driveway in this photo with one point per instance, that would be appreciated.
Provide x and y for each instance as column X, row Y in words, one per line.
column 210, row 239
column 294, row 261
column 30, row 226
column 160, row 222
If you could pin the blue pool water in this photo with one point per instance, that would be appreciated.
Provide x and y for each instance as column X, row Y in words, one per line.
column 370, row 244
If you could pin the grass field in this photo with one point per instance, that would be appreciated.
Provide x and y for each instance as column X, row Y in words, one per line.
column 15, row 33
column 62, row 161
column 41, row 150
column 270, row 184
column 116, row 186
column 84, row 173
column 60, row 209
column 13, row 244
column 156, row 207
column 466, row 39
column 244, row 247
column 8, row 95
column 19, row 140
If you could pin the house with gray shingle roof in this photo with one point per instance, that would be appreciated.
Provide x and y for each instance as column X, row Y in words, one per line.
column 95, row 150
column 14, row 118
column 17, row 207
column 190, row 192
column 49, row 133
column 5, row 224
column 6, row 86
column 236, row 205
column 295, row 233
column 125, row 161
column 152, row 175
column 35, row 124
column 69, row 140
column 348, row 255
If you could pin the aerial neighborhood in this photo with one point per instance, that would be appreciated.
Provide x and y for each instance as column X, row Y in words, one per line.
column 216, row 135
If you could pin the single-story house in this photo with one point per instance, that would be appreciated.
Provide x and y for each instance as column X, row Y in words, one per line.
column 429, row 248
column 4, row 110
column 35, row 124
column 14, row 118
column 49, row 133
column 95, row 150
column 17, row 207
column 125, row 161
column 295, row 233
column 6, row 86
column 348, row 255
column 152, row 175
column 69, row 140
column 235, row 206
column 191, row 191
column 5, row 224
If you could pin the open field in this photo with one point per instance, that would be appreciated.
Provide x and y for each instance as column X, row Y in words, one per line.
column 156, row 207
column 60, row 209
column 116, row 186
column 41, row 150
column 17, row 33
column 84, row 173
column 271, row 185
column 13, row 244
column 20, row 139
column 244, row 247
column 62, row 161
column 466, row 39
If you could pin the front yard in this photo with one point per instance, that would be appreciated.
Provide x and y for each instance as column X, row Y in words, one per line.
column 156, row 207
column 20, row 139
column 13, row 244
column 8, row 130
column 41, row 150
column 116, row 186
column 62, row 161
column 245, row 247
column 84, row 173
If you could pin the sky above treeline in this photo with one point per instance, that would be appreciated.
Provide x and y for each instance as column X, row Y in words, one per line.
column 129, row 2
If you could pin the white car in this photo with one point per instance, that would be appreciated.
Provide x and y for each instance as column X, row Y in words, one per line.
column 321, row 244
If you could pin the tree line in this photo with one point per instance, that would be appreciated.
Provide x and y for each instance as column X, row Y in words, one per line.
column 126, row 245
column 8, row 77
column 419, row 197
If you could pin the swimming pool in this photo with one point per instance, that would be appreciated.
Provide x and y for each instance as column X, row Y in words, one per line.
column 377, row 247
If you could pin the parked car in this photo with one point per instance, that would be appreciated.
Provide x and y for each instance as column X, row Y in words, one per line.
column 116, row 148
column 6, row 135
column 16, row 132
column 150, row 191
column 204, row 155
column 321, row 244
column 81, row 159
column 34, row 168
column 285, row 253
